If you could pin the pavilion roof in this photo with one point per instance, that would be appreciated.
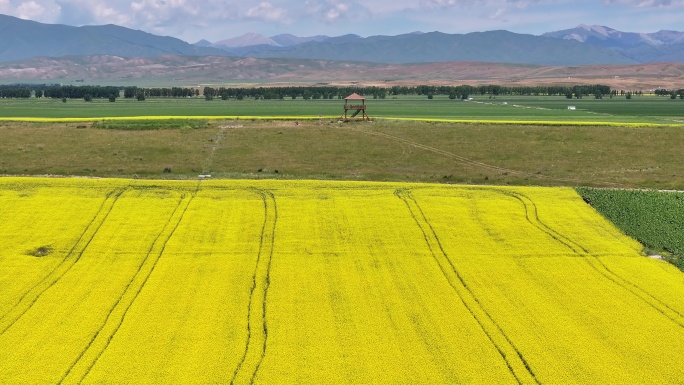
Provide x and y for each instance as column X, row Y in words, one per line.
column 354, row 96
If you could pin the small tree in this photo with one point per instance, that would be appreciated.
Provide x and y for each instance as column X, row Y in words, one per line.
column 429, row 95
column 63, row 100
column 88, row 98
column 629, row 95
column 112, row 98
column 140, row 96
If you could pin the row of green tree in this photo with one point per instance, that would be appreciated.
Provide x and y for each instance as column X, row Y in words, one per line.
column 307, row 92
column 462, row 91
column 173, row 92
column 77, row 92
column 671, row 93
column 14, row 91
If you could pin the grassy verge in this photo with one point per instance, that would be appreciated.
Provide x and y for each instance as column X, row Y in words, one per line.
column 654, row 218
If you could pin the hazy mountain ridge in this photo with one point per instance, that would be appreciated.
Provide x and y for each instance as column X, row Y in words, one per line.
column 23, row 39
column 584, row 45
column 609, row 37
column 661, row 46
column 491, row 46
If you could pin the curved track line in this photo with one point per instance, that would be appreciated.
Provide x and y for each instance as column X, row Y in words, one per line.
column 654, row 302
column 99, row 342
column 519, row 368
column 31, row 296
column 257, row 328
column 475, row 163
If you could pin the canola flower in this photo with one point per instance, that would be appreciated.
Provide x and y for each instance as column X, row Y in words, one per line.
column 221, row 281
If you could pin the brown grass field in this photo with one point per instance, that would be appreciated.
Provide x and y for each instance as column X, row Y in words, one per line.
column 383, row 150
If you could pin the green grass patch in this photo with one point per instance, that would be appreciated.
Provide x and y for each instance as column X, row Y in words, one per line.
column 156, row 124
column 654, row 218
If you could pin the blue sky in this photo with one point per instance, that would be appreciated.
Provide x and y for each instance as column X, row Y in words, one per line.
column 192, row 20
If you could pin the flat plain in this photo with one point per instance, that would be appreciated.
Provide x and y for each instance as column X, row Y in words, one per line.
column 548, row 110
column 260, row 274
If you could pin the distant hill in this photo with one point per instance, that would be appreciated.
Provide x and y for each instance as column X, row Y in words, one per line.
column 286, row 39
column 174, row 70
column 23, row 39
column 248, row 39
column 609, row 37
column 661, row 46
column 493, row 46
column 584, row 45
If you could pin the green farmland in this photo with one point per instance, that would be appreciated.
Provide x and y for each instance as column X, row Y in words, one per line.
column 503, row 109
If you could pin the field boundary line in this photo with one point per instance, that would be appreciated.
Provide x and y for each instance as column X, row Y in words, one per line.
column 116, row 315
column 257, row 327
column 654, row 302
column 31, row 296
column 474, row 163
column 514, row 359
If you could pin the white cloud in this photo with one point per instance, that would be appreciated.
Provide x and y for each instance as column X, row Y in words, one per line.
column 30, row 10
column 268, row 12
column 438, row 4
column 5, row 6
column 648, row 3
column 40, row 10
column 331, row 11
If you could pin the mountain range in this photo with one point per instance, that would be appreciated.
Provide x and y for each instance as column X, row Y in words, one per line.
column 602, row 44
column 661, row 46
column 25, row 40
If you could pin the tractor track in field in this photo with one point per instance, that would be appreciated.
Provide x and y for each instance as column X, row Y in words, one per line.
column 657, row 304
column 31, row 296
column 490, row 328
column 474, row 163
column 122, row 305
column 257, row 328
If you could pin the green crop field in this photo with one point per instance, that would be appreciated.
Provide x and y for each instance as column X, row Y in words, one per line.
column 503, row 109
column 654, row 218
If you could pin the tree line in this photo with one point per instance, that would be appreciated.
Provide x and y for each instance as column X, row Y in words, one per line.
column 14, row 91
column 461, row 92
column 78, row 92
column 310, row 92
column 673, row 94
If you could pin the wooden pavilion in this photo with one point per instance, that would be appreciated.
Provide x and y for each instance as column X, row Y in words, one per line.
column 356, row 103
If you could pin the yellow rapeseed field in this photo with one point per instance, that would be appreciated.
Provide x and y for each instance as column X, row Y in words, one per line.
column 284, row 282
